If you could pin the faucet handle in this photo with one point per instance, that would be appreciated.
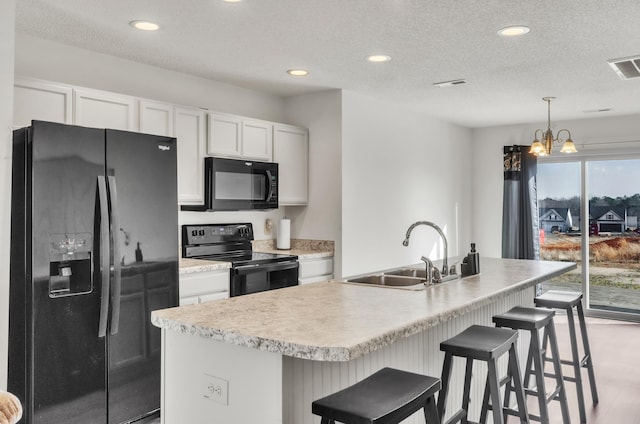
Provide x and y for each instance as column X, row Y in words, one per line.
column 452, row 269
column 436, row 275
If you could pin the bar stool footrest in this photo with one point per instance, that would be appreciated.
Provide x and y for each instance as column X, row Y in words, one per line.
column 554, row 395
column 457, row 417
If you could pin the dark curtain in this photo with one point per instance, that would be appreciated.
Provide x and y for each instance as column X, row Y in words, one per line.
column 520, row 235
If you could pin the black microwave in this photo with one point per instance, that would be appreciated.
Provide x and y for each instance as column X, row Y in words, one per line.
column 237, row 185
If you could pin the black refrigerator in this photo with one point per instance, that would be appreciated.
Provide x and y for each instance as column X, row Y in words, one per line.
column 93, row 251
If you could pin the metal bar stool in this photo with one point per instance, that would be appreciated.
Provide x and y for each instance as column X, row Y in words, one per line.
column 532, row 320
column 385, row 397
column 567, row 301
column 486, row 344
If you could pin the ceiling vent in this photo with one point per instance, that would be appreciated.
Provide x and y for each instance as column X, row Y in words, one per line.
column 451, row 83
column 626, row 67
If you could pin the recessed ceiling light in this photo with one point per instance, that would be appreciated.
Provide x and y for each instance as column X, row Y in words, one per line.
column 513, row 31
column 144, row 25
column 298, row 72
column 378, row 58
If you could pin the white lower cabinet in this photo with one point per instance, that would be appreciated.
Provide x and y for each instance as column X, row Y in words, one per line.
column 199, row 287
column 315, row 269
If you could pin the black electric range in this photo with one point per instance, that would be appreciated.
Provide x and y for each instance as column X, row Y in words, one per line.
column 251, row 272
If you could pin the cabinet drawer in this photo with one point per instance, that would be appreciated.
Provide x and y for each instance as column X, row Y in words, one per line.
column 213, row 296
column 203, row 283
column 315, row 267
column 315, row 279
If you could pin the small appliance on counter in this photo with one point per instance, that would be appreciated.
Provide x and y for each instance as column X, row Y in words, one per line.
column 471, row 263
column 250, row 272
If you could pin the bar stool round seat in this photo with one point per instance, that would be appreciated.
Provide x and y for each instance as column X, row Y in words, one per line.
column 533, row 320
column 486, row 344
column 385, row 397
column 567, row 301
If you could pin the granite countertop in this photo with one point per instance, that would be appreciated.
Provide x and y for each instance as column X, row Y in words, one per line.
column 303, row 249
column 333, row 321
column 189, row 266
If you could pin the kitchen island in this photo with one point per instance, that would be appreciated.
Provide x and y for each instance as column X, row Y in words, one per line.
column 265, row 357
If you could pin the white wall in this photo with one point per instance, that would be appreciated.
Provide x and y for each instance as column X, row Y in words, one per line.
column 46, row 60
column 7, row 23
column 604, row 135
column 321, row 219
column 399, row 167
column 43, row 59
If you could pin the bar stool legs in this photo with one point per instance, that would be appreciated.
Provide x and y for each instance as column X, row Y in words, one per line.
column 567, row 301
column 486, row 344
column 533, row 320
column 535, row 358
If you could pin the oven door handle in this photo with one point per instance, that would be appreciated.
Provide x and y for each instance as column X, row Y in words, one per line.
column 279, row 266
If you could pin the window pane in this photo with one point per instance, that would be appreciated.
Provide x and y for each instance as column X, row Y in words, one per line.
column 614, row 243
column 559, row 214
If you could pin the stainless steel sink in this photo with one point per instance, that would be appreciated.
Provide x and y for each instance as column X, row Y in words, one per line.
column 408, row 272
column 388, row 280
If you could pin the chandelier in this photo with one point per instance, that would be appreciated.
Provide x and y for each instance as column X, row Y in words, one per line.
column 544, row 147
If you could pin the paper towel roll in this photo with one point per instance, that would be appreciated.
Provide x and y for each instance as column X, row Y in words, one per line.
column 284, row 234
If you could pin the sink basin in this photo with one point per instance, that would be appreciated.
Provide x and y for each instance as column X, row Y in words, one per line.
column 408, row 272
column 387, row 280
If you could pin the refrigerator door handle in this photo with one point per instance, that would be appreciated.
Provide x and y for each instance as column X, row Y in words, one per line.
column 117, row 269
column 104, row 256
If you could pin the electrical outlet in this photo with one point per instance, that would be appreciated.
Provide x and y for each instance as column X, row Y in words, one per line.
column 215, row 389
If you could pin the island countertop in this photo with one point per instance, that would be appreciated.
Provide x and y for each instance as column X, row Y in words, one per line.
column 334, row 321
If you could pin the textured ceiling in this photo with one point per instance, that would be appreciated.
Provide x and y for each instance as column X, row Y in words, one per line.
column 253, row 43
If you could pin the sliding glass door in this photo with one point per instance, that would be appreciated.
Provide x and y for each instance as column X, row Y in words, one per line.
column 588, row 211
column 613, row 189
column 559, row 211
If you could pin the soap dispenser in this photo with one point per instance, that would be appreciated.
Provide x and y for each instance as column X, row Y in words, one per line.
column 471, row 263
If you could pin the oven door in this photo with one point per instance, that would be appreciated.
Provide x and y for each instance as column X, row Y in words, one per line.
column 240, row 185
column 254, row 278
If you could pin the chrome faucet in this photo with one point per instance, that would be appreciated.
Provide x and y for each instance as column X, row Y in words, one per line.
column 433, row 275
column 445, row 262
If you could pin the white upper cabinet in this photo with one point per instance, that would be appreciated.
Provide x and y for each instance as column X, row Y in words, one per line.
column 41, row 101
column 291, row 152
column 257, row 139
column 101, row 109
column 241, row 138
column 190, row 133
column 156, row 118
column 225, row 132
column 228, row 135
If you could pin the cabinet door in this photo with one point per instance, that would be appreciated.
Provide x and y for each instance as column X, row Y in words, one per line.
column 257, row 139
column 189, row 130
column 291, row 152
column 100, row 109
column 225, row 132
column 40, row 101
column 156, row 118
